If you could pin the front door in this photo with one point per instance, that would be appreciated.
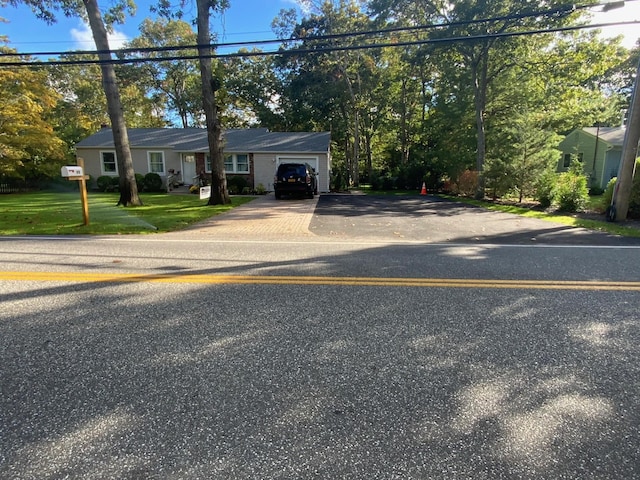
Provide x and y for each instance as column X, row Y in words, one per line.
column 189, row 174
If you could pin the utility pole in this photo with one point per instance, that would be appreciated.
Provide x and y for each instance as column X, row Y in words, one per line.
column 622, row 193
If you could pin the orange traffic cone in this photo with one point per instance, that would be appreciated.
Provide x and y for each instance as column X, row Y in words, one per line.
column 424, row 189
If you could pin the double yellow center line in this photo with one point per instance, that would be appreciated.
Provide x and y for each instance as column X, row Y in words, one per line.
column 314, row 280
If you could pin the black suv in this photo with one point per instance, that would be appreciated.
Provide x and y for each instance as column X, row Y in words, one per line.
column 295, row 178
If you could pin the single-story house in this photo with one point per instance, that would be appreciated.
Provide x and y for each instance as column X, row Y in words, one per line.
column 598, row 148
column 252, row 153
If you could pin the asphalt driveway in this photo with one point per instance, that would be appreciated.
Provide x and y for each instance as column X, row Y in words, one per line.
column 431, row 219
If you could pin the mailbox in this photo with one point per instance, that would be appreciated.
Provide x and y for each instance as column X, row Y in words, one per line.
column 71, row 171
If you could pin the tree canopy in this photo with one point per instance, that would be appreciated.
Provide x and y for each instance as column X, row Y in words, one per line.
column 441, row 87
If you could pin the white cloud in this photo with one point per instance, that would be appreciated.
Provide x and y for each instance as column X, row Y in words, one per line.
column 305, row 6
column 629, row 12
column 83, row 38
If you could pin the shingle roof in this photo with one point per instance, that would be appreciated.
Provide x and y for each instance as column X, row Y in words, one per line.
column 251, row 140
column 614, row 136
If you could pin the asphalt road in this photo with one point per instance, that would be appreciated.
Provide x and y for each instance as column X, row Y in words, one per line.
column 336, row 355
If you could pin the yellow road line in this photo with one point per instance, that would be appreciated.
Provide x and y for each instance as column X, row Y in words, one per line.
column 309, row 280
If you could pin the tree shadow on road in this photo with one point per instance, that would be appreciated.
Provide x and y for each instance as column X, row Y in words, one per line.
column 153, row 380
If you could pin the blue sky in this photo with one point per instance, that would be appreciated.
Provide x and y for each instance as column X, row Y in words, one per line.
column 245, row 20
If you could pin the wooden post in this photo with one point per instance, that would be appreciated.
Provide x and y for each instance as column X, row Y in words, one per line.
column 83, row 192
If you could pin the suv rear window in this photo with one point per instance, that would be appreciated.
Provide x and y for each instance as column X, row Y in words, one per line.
column 292, row 170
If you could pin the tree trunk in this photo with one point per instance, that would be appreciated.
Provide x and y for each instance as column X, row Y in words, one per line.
column 480, row 101
column 219, row 192
column 404, row 125
column 128, row 188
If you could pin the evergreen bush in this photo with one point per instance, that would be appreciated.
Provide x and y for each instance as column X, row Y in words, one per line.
column 152, row 182
column 545, row 187
column 571, row 192
column 236, row 184
column 105, row 183
column 140, row 182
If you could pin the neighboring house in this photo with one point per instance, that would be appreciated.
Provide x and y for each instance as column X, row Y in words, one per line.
column 598, row 148
column 251, row 153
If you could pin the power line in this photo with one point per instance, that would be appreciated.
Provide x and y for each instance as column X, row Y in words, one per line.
column 301, row 51
column 565, row 9
column 306, row 51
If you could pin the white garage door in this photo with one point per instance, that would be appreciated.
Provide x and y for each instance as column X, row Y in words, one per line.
column 313, row 161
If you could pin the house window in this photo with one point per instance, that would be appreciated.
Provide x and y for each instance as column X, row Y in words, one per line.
column 566, row 159
column 156, row 162
column 236, row 163
column 242, row 163
column 233, row 163
column 109, row 163
column 228, row 163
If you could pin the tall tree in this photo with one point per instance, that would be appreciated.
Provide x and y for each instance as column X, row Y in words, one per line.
column 331, row 85
column 253, row 92
column 89, row 9
column 28, row 143
column 210, row 85
column 128, row 188
column 483, row 53
column 174, row 85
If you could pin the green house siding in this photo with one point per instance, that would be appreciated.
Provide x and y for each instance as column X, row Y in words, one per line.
column 598, row 150
column 611, row 166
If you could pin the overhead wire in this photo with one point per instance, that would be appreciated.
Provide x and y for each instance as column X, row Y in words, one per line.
column 567, row 9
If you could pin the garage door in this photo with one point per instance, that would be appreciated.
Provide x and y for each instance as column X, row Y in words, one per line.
column 313, row 161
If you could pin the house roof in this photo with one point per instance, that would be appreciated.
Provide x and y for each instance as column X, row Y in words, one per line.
column 250, row 140
column 614, row 136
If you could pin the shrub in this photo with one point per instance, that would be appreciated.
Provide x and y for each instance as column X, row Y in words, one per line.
column 152, row 182
column 236, row 184
column 260, row 190
column 388, row 183
column 105, row 183
column 338, row 181
column 468, row 183
column 607, row 196
column 545, row 188
column 634, row 200
column 571, row 192
column 376, row 181
column 140, row 181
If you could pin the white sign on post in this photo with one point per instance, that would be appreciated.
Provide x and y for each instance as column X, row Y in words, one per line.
column 205, row 192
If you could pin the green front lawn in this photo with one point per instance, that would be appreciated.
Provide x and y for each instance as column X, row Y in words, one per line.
column 55, row 213
column 590, row 221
